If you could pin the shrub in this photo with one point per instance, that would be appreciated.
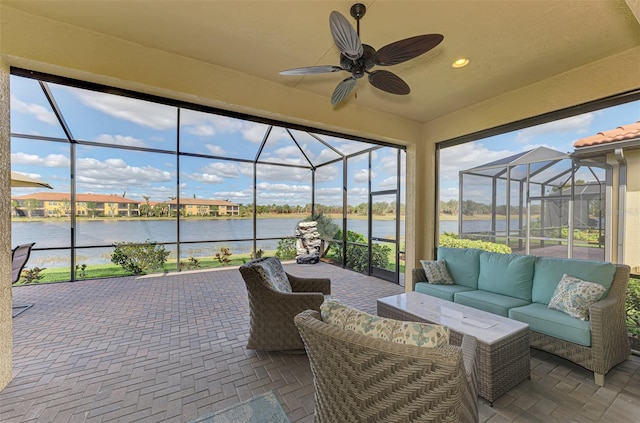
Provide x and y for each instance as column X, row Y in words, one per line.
column 632, row 305
column 139, row 258
column 357, row 255
column 326, row 226
column 452, row 241
column 81, row 271
column 286, row 249
column 191, row 263
column 32, row 275
column 223, row 256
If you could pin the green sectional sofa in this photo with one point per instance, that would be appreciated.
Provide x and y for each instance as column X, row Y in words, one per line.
column 520, row 287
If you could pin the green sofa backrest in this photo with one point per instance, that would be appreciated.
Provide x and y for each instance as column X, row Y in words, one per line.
column 463, row 265
column 548, row 272
column 506, row 274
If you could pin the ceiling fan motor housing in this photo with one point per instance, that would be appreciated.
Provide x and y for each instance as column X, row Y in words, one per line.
column 358, row 10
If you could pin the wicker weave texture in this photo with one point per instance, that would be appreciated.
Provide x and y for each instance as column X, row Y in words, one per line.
column 362, row 379
column 500, row 366
column 609, row 338
column 272, row 312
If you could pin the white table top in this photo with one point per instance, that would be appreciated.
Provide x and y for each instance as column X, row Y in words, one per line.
column 486, row 327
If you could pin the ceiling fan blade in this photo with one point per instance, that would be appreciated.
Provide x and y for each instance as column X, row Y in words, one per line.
column 342, row 90
column 345, row 36
column 406, row 49
column 389, row 82
column 311, row 70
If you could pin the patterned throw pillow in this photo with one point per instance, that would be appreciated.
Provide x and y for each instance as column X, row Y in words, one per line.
column 436, row 272
column 574, row 296
column 410, row 333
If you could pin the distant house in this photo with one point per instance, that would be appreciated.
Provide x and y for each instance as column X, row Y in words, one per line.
column 620, row 149
column 203, row 207
column 58, row 204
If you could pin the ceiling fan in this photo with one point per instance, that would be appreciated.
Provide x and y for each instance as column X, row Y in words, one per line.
column 359, row 58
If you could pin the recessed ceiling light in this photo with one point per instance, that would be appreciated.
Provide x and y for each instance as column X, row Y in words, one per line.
column 460, row 63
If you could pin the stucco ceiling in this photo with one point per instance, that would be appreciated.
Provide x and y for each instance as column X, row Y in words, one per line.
column 510, row 44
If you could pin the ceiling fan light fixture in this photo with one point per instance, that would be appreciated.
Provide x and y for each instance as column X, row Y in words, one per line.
column 460, row 63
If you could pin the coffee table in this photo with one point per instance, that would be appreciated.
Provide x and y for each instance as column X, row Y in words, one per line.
column 503, row 344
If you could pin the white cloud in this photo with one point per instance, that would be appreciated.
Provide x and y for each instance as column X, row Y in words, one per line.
column 202, row 130
column 466, row 156
column 362, row 176
column 277, row 173
column 388, row 163
column 209, row 125
column 329, row 195
column 253, row 132
column 206, row 178
column 151, row 115
column 282, row 193
column 37, row 111
column 283, row 188
column 388, row 183
column 328, row 173
column 51, row 160
column 449, row 193
column 327, row 155
column 290, row 151
column 216, row 150
column 227, row 170
column 579, row 124
column 244, row 196
column 115, row 175
column 120, row 140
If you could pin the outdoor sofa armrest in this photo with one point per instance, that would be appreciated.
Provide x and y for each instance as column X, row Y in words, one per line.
column 299, row 284
column 609, row 338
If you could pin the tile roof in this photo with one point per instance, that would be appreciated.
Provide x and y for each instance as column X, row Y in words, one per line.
column 621, row 133
column 62, row 196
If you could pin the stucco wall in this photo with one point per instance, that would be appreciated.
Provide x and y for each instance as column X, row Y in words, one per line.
column 632, row 212
column 5, row 231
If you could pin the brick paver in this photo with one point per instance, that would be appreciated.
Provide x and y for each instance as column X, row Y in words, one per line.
column 169, row 348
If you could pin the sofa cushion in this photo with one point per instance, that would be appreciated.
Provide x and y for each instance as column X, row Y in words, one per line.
column 554, row 323
column 445, row 292
column 574, row 296
column 549, row 271
column 271, row 270
column 409, row 333
column 436, row 272
column 463, row 265
column 489, row 301
column 506, row 274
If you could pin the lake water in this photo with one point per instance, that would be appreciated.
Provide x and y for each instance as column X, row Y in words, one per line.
column 56, row 234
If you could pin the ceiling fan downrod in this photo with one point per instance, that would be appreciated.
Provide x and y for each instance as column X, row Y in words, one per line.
column 357, row 11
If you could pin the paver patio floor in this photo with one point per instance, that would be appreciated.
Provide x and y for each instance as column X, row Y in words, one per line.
column 172, row 348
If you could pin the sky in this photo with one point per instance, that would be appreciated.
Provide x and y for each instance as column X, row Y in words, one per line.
column 558, row 135
column 116, row 120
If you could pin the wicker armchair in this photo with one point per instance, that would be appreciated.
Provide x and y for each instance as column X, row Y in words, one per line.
column 359, row 378
column 275, row 298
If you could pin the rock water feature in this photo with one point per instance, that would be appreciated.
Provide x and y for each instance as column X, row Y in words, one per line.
column 308, row 243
